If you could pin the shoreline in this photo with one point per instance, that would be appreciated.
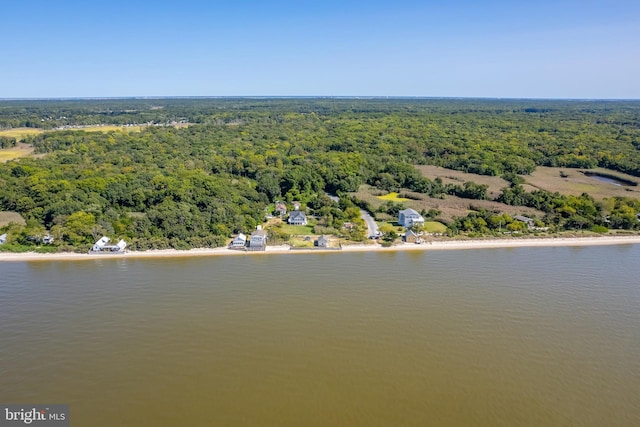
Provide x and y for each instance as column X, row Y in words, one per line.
column 436, row 245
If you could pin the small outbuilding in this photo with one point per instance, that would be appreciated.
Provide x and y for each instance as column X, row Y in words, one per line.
column 3, row 239
column 322, row 242
column 411, row 237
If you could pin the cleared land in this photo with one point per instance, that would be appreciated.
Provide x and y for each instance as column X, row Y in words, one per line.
column 450, row 206
column 7, row 217
column 20, row 133
column 575, row 182
column 450, row 176
column 20, row 150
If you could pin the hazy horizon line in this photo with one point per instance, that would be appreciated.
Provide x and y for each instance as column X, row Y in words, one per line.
column 159, row 97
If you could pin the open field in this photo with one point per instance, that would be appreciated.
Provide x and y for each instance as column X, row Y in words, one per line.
column 450, row 176
column 109, row 128
column 21, row 150
column 20, row 133
column 576, row 182
column 7, row 217
column 450, row 206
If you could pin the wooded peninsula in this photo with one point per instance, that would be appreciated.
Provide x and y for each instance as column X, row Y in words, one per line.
column 194, row 172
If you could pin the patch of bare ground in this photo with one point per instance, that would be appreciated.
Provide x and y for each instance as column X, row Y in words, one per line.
column 574, row 182
column 7, row 217
column 450, row 176
column 450, row 206
column 20, row 150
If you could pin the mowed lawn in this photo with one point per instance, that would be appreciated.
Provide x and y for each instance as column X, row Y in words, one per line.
column 297, row 230
column 434, row 227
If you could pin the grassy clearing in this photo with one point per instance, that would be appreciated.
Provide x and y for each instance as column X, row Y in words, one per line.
column 299, row 242
column 575, row 182
column 434, row 227
column 20, row 133
column 7, row 217
column 450, row 176
column 297, row 230
column 21, row 150
column 395, row 197
column 109, row 128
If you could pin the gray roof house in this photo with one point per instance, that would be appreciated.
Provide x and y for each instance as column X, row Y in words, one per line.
column 524, row 219
column 411, row 237
column 297, row 217
column 322, row 242
column 409, row 218
column 258, row 238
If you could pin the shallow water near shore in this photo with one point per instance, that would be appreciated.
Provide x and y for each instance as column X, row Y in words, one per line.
column 487, row 337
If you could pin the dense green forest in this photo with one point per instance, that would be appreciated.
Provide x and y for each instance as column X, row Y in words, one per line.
column 196, row 186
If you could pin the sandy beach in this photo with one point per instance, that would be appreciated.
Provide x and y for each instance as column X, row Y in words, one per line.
column 285, row 250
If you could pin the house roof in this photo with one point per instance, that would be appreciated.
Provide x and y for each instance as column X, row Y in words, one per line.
column 297, row 214
column 410, row 233
column 409, row 211
column 240, row 237
column 103, row 241
column 522, row 218
column 259, row 233
column 323, row 239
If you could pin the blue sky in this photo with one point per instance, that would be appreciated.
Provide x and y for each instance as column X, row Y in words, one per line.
column 541, row 49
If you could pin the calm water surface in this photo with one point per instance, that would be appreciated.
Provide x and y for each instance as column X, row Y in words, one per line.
column 503, row 337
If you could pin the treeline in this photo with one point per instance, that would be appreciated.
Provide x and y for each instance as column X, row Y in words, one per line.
column 195, row 186
column 561, row 213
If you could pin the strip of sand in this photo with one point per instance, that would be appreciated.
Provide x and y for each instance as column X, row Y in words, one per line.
column 284, row 249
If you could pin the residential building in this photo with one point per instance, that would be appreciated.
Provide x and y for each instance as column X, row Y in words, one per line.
column 409, row 218
column 530, row 223
column 240, row 241
column 3, row 239
column 258, row 238
column 322, row 242
column 280, row 208
column 297, row 217
column 103, row 246
column 411, row 237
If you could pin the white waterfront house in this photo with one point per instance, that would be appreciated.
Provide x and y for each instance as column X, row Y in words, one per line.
column 3, row 239
column 240, row 241
column 103, row 246
column 409, row 218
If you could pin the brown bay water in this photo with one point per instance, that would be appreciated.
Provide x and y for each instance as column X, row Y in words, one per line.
column 495, row 337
